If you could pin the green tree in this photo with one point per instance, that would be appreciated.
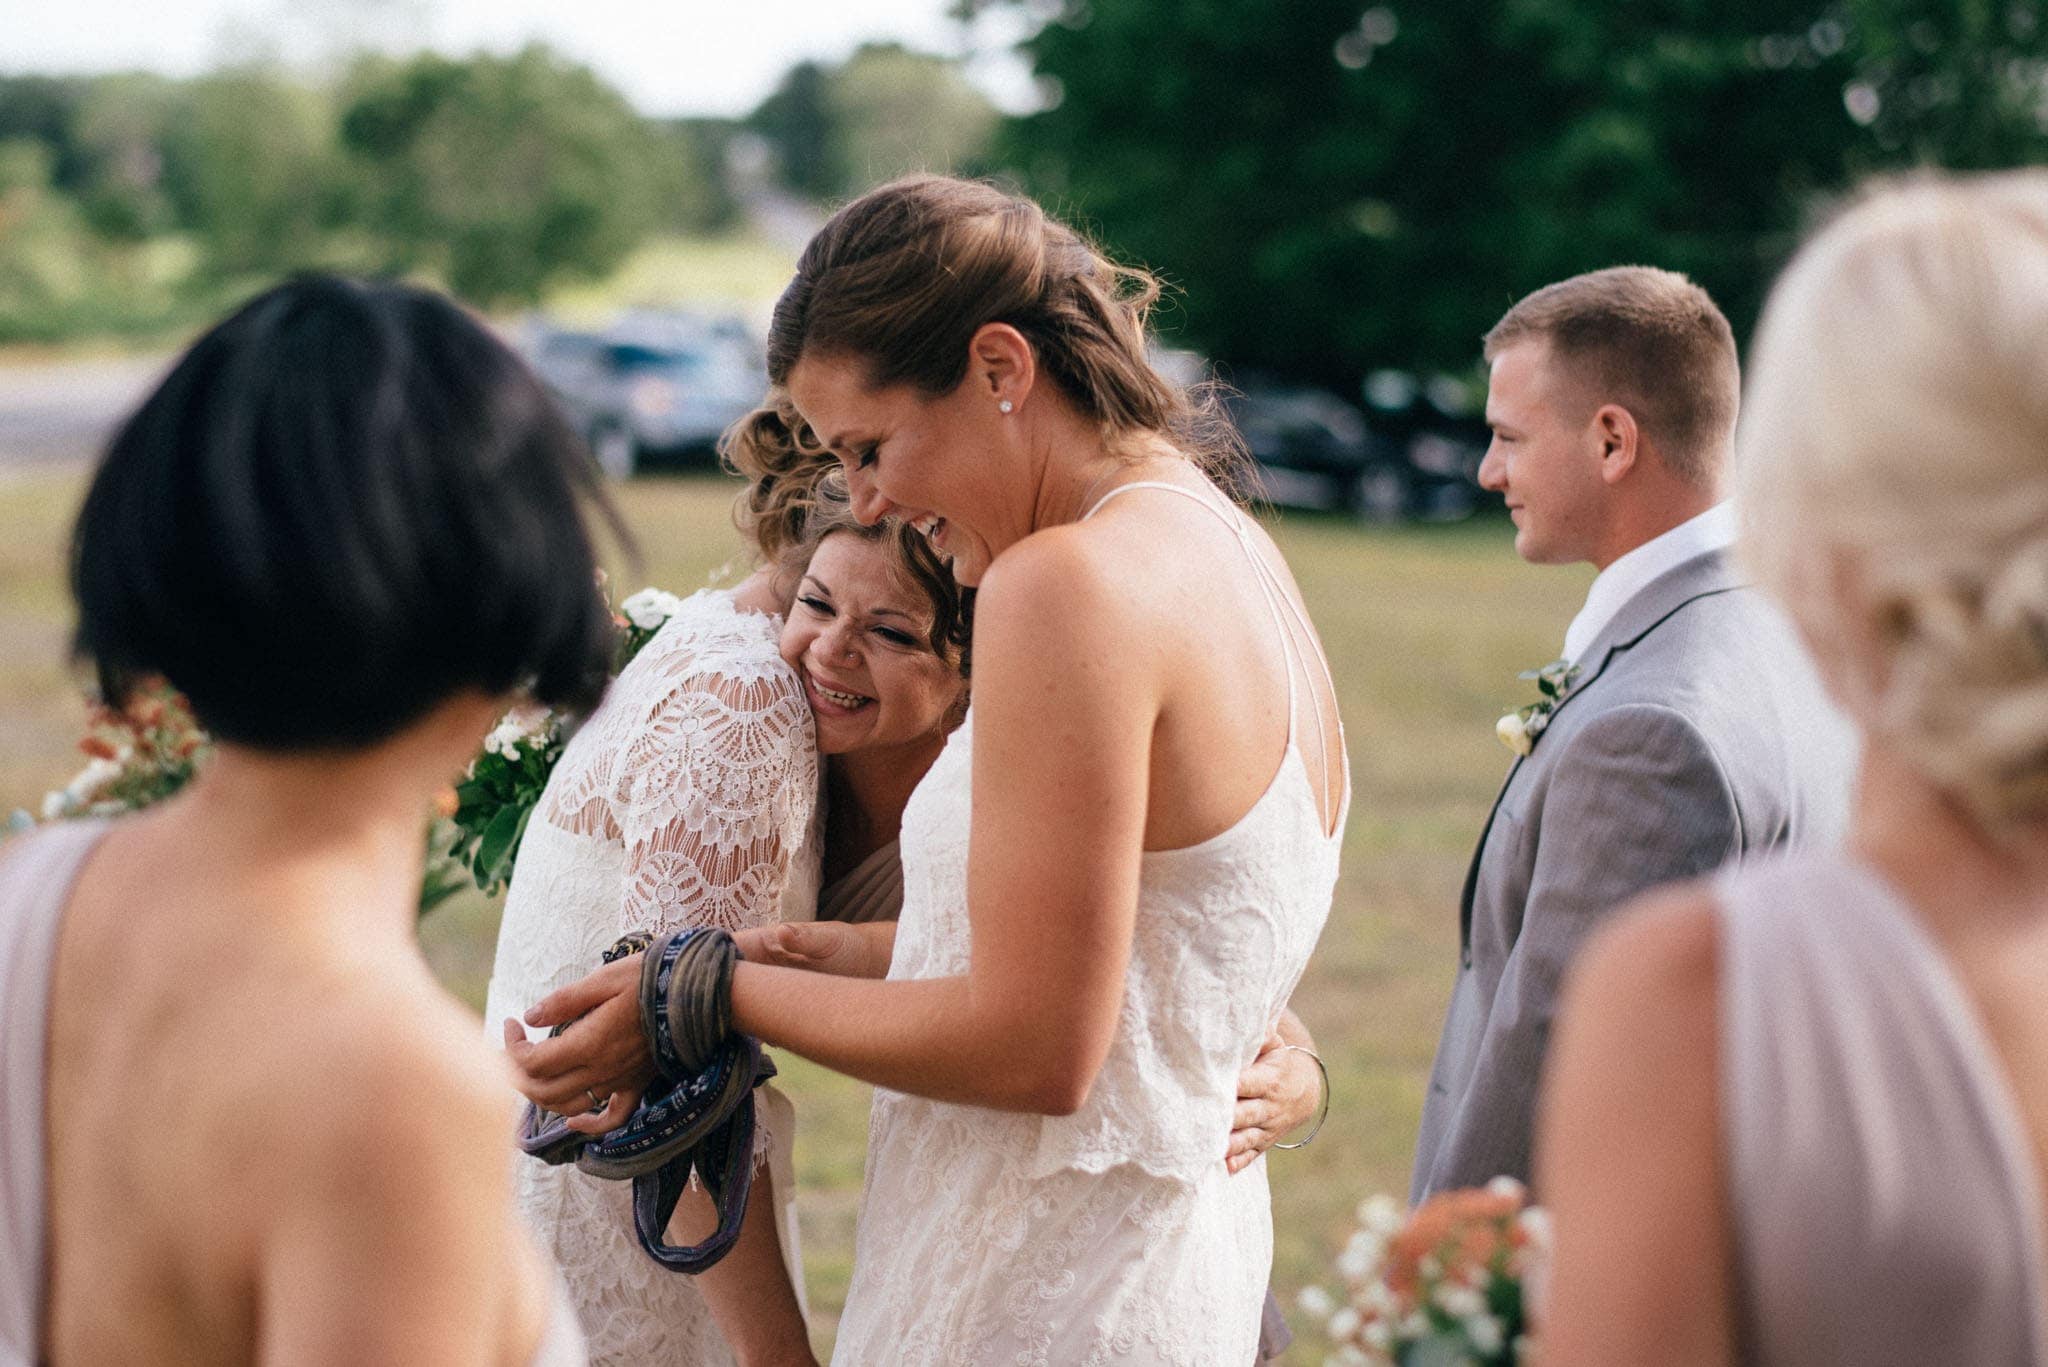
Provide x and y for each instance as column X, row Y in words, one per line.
column 698, row 198
column 801, row 128
column 502, row 173
column 43, row 261
column 252, row 168
column 1343, row 185
column 884, row 111
column 903, row 111
column 45, row 110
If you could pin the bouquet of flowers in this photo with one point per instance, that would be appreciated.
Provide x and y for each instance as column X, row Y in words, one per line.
column 144, row 753
column 490, row 808
column 134, row 756
column 1448, row 1286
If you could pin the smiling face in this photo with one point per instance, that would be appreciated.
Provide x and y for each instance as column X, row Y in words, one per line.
column 859, row 636
column 934, row 462
column 1545, row 456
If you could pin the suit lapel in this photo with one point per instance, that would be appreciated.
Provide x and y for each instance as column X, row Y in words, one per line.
column 1703, row 576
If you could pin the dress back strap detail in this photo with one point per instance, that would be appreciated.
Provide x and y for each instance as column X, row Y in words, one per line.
column 1287, row 619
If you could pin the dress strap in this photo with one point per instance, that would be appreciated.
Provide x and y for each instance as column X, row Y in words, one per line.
column 1284, row 611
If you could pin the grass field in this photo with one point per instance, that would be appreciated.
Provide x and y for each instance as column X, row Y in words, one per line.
column 1426, row 628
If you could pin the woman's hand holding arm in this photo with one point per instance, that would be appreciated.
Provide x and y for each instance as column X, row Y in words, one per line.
column 603, row 1052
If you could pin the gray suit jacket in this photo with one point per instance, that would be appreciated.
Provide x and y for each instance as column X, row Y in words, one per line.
column 1696, row 733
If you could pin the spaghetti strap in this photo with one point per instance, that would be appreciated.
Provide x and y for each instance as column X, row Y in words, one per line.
column 1283, row 610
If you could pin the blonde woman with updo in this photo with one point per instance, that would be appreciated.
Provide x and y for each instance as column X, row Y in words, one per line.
column 1115, row 871
column 1798, row 1115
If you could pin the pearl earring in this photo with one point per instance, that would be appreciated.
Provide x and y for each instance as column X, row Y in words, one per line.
column 1005, row 406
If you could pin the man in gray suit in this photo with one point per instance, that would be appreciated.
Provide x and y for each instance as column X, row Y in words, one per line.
column 1691, row 730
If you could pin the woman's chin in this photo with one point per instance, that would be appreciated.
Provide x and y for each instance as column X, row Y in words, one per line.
column 842, row 735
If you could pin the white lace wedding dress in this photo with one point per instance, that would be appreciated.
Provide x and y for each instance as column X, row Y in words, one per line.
column 690, row 797
column 1113, row 1234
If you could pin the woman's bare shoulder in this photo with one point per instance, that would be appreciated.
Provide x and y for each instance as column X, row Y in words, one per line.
column 378, row 1072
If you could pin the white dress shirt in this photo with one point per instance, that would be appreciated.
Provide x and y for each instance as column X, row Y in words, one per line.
column 1712, row 530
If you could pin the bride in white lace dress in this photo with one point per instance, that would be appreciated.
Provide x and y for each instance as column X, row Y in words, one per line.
column 692, row 797
column 1116, row 871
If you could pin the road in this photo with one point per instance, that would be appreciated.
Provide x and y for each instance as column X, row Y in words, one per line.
column 62, row 412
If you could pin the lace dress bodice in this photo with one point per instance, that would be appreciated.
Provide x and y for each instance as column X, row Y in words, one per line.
column 690, row 797
column 1113, row 1234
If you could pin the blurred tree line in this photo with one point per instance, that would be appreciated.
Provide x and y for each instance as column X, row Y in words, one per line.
column 1340, row 185
column 138, row 204
column 1335, row 185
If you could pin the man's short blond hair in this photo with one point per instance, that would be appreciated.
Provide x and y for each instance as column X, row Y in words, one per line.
column 1649, row 340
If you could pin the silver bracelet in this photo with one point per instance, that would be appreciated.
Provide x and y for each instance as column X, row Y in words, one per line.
column 1321, row 1115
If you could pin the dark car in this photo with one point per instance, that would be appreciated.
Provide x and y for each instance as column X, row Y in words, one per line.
column 1437, row 424
column 1316, row 450
column 653, row 388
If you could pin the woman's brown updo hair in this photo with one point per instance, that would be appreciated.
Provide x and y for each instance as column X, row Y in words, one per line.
column 903, row 277
column 793, row 499
column 783, row 463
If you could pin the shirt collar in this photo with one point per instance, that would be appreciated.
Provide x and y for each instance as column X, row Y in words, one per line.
column 1712, row 530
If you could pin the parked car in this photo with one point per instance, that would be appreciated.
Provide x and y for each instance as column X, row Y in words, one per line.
column 1316, row 450
column 1437, row 421
column 653, row 388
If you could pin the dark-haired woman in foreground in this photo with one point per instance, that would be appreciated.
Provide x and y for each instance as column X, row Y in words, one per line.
column 346, row 527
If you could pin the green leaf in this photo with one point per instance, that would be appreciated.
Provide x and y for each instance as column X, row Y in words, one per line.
column 494, row 847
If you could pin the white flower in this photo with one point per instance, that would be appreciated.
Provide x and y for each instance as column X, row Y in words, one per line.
column 1357, row 1260
column 1513, row 732
column 1484, row 1333
column 1381, row 1214
column 1350, row 1356
column 1379, row 1335
column 1459, row 1302
column 1344, row 1324
column 1506, row 1186
column 527, row 722
column 1414, row 1326
column 1535, row 1222
column 1316, row 1302
column 94, row 777
column 55, row 804
column 650, row 607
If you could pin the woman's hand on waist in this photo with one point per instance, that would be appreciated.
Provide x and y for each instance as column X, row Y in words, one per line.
column 1277, row 1093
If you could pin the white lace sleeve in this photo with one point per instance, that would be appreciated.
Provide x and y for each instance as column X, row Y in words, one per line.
column 717, row 791
column 702, row 765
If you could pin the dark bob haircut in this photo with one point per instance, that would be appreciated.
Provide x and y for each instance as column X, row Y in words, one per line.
column 347, row 503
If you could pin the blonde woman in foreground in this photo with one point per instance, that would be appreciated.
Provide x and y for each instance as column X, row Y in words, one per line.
column 1797, row 1114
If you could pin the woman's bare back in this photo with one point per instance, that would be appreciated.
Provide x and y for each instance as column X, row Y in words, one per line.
column 244, row 1105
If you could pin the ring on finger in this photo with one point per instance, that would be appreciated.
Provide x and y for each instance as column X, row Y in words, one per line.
column 597, row 1103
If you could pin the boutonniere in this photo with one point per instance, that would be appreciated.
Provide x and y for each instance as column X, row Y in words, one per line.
column 1519, row 729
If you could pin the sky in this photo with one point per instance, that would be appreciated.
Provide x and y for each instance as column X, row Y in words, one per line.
column 670, row 57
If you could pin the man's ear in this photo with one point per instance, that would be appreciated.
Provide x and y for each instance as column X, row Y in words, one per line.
column 1001, row 366
column 1620, row 440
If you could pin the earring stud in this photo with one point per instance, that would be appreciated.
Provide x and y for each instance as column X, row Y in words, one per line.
column 1005, row 406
